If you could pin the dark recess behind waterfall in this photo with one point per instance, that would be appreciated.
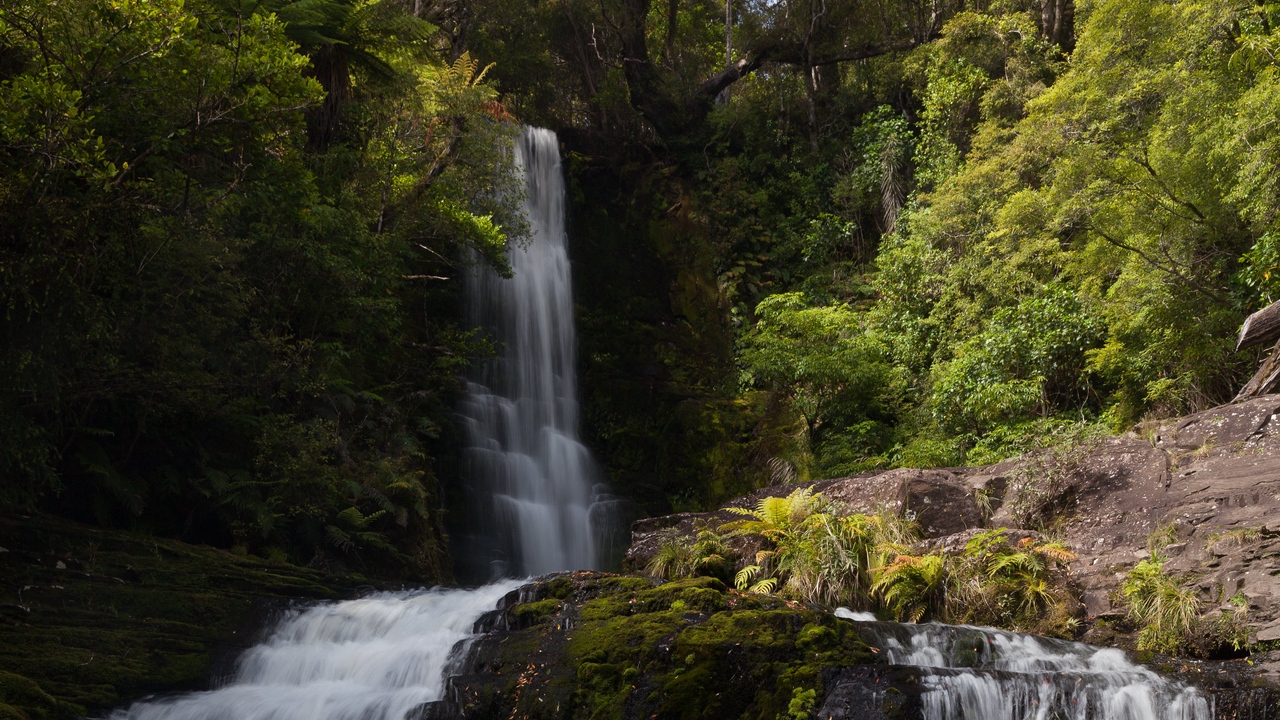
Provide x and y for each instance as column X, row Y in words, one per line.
column 623, row 312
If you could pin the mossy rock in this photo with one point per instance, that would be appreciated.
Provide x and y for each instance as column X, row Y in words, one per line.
column 529, row 614
column 613, row 647
column 92, row 618
column 22, row 698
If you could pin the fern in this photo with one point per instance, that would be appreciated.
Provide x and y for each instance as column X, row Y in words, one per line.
column 742, row 580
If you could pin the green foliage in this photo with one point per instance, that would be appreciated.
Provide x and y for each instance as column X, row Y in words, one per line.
column 1164, row 610
column 946, row 254
column 679, row 556
column 226, row 236
column 991, row 582
column 816, row 552
column 837, row 377
column 1028, row 360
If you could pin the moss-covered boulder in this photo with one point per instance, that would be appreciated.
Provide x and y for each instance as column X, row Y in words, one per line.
column 92, row 618
column 593, row 645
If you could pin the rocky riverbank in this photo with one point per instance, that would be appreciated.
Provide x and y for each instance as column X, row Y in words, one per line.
column 595, row 645
column 1205, row 488
column 93, row 618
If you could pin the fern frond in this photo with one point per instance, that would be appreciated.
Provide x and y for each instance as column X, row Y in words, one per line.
column 1056, row 552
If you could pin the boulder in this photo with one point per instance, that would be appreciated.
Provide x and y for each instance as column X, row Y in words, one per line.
column 939, row 500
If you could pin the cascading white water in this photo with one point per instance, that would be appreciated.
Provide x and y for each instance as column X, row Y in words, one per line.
column 532, row 480
column 973, row 673
column 377, row 658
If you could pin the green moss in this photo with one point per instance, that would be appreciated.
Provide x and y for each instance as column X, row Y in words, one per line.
column 690, row 649
column 126, row 614
column 23, row 698
column 559, row 588
column 535, row 612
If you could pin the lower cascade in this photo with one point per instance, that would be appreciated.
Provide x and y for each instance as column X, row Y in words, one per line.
column 976, row 673
column 377, row 658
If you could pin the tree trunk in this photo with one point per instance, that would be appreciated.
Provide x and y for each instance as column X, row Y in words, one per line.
column 1266, row 380
column 673, row 17
column 811, row 96
column 1057, row 22
column 723, row 97
column 329, row 66
column 1260, row 328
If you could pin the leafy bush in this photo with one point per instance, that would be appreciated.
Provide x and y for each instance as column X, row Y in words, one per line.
column 817, row 552
column 1164, row 610
column 821, row 359
column 1028, row 361
column 679, row 556
column 991, row 582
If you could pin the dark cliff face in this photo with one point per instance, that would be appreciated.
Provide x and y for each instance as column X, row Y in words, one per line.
column 587, row 645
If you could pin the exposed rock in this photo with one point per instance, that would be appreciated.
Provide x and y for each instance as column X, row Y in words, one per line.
column 870, row 693
column 1212, row 479
column 939, row 500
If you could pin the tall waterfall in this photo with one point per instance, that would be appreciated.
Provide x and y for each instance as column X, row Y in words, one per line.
column 377, row 658
column 531, row 480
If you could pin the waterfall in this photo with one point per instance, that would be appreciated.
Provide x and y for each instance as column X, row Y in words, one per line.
column 975, row 673
column 533, row 494
column 538, row 510
column 377, row 658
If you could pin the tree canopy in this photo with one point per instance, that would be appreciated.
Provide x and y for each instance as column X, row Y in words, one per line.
column 811, row 237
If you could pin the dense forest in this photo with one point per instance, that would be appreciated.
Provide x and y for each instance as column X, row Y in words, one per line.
column 811, row 238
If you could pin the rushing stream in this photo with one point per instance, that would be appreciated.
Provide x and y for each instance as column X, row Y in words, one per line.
column 376, row 658
column 972, row 673
column 538, row 510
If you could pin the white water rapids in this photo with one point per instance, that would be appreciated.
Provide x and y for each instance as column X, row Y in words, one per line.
column 537, row 509
column 974, row 673
column 377, row 658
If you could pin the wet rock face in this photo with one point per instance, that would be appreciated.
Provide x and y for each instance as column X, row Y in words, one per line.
column 871, row 693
